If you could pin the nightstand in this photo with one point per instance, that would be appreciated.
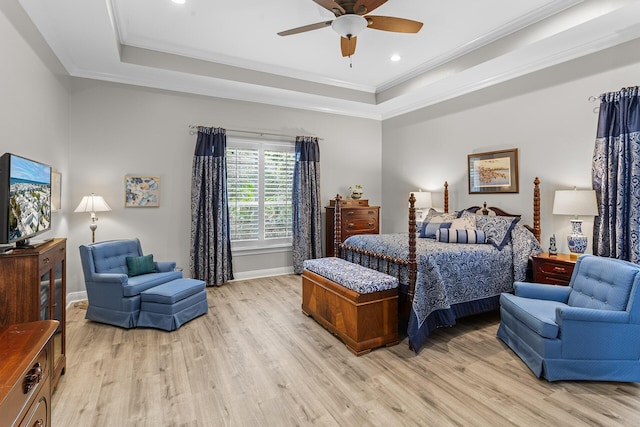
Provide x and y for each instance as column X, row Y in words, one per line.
column 553, row 269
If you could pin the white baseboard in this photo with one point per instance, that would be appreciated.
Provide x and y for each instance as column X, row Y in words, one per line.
column 255, row 274
column 245, row 275
column 75, row 297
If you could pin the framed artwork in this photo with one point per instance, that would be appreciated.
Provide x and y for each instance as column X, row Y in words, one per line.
column 141, row 191
column 56, row 191
column 493, row 172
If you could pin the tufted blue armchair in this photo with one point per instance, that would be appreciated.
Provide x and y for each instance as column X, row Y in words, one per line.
column 114, row 297
column 589, row 330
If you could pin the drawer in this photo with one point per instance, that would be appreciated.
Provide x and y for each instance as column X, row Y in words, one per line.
column 559, row 270
column 350, row 202
column 51, row 256
column 39, row 414
column 554, row 271
column 365, row 225
column 364, row 212
column 32, row 379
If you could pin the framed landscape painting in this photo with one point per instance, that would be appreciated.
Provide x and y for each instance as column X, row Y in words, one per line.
column 56, row 191
column 493, row 172
column 141, row 191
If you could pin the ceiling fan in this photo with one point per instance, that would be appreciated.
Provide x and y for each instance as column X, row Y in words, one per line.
column 351, row 18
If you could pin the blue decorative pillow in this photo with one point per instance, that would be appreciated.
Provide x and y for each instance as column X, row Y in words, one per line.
column 434, row 221
column 497, row 228
column 456, row 235
column 138, row 265
column 429, row 228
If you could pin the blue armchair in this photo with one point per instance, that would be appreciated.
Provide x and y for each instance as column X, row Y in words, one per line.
column 114, row 297
column 589, row 330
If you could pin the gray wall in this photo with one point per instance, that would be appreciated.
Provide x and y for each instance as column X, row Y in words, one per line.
column 116, row 130
column 546, row 115
column 34, row 113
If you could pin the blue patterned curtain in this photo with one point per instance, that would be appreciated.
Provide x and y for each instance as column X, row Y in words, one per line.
column 616, row 176
column 210, row 258
column 306, row 209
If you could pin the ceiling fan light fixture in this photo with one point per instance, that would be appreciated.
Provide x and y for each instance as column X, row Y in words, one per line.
column 349, row 25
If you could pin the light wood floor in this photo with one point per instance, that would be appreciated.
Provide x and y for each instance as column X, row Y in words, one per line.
column 256, row 360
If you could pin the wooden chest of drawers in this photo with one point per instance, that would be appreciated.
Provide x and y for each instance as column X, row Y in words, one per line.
column 553, row 269
column 25, row 374
column 357, row 218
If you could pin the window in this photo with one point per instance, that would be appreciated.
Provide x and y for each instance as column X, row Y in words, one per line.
column 260, row 180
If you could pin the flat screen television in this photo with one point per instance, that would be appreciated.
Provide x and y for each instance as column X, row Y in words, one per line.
column 25, row 199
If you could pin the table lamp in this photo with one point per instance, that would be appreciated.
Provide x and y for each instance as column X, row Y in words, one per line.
column 93, row 204
column 575, row 202
column 423, row 202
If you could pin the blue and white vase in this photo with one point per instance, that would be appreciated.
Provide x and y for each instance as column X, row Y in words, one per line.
column 576, row 240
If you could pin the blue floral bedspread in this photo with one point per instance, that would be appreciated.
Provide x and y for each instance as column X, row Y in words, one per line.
column 454, row 279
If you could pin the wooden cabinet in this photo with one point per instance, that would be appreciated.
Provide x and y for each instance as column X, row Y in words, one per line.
column 25, row 374
column 357, row 218
column 33, row 287
column 553, row 269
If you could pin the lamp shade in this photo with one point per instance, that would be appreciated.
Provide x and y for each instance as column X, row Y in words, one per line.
column 575, row 202
column 423, row 199
column 92, row 203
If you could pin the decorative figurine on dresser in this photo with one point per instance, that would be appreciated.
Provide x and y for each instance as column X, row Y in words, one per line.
column 357, row 218
column 553, row 250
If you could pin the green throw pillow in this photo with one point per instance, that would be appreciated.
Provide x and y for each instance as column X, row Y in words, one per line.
column 138, row 265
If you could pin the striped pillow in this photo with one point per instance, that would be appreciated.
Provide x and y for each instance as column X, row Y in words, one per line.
column 456, row 235
column 429, row 228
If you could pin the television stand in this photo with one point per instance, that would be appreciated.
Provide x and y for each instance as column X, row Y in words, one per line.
column 30, row 243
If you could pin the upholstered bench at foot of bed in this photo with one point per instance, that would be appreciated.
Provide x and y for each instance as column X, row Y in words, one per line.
column 357, row 304
column 172, row 304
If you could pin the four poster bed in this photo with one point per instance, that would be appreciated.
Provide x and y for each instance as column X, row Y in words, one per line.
column 444, row 271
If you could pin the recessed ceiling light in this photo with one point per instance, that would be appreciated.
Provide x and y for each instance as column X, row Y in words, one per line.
column 395, row 57
column 179, row 1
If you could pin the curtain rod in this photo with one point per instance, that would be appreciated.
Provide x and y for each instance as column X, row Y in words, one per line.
column 193, row 129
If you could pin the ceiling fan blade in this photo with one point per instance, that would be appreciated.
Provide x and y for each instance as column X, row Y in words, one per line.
column 305, row 28
column 365, row 6
column 397, row 25
column 331, row 6
column 348, row 46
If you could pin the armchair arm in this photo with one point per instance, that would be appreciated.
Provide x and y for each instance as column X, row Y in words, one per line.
column 164, row 266
column 542, row 291
column 118, row 278
column 592, row 334
column 581, row 314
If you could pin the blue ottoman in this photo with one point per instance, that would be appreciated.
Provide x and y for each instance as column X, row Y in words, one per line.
column 170, row 305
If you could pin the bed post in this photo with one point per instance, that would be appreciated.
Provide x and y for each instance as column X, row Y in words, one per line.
column 337, row 228
column 412, row 248
column 446, row 197
column 536, row 208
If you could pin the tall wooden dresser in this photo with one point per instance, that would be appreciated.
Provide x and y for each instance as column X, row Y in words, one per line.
column 33, row 287
column 357, row 218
